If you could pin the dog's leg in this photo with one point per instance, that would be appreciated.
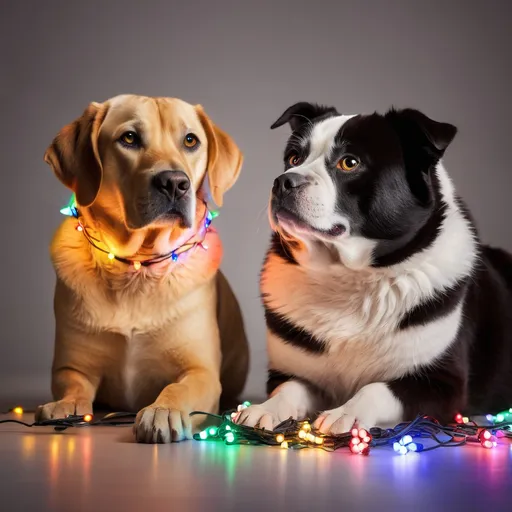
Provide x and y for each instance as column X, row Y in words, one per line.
column 194, row 350
column 437, row 392
column 74, row 393
column 167, row 419
column 78, row 364
column 292, row 398
column 372, row 405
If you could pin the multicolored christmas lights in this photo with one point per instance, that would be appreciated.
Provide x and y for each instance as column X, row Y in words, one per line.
column 71, row 210
column 403, row 438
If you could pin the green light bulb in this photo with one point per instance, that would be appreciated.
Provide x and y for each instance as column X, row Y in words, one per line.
column 212, row 431
column 246, row 404
column 230, row 437
column 203, row 435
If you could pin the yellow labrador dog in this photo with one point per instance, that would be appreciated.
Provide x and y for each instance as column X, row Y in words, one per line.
column 145, row 321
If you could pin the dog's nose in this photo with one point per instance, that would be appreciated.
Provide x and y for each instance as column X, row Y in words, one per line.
column 288, row 181
column 173, row 184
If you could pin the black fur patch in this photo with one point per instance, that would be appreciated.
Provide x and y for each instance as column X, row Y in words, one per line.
column 439, row 391
column 278, row 325
column 438, row 306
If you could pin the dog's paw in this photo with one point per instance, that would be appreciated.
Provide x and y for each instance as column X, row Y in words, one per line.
column 371, row 406
column 62, row 409
column 338, row 421
column 158, row 424
column 268, row 414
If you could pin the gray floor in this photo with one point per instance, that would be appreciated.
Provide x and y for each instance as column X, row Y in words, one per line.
column 102, row 469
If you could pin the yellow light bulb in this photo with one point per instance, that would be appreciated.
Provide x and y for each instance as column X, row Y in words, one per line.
column 306, row 427
column 310, row 438
column 302, row 434
column 465, row 419
column 279, row 438
column 88, row 417
column 319, row 440
column 111, row 256
column 284, row 444
column 136, row 265
column 18, row 410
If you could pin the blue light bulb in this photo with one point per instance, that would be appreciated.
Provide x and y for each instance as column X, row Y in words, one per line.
column 403, row 450
column 412, row 447
column 174, row 256
column 406, row 440
column 489, row 417
column 397, row 446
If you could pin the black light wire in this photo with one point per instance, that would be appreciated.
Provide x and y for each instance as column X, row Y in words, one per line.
column 423, row 427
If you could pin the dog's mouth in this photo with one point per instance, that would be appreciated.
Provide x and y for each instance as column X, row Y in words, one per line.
column 175, row 216
column 290, row 220
column 160, row 214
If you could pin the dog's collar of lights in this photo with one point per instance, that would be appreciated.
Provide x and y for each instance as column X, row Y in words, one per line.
column 71, row 210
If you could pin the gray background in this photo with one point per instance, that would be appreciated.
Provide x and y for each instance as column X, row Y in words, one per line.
column 245, row 62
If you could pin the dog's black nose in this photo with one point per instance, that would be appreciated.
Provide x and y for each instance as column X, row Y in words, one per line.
column 285, row 183
column 173, row 184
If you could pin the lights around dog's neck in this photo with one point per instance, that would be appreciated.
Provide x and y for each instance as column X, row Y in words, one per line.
column 71, row 210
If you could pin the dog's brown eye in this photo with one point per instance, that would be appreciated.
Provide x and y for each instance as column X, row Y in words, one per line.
column 349, row 163
column 190, row 140
column 294, row 160
column 130, row 139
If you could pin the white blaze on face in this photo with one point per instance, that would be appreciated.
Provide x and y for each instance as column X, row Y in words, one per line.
column 317, row 202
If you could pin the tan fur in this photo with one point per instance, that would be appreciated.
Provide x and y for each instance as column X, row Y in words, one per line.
column 165, row 339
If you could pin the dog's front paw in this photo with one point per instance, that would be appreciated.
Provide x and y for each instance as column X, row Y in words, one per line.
column 373, row 405
column 62, row 409
column 159, row 424
column 339, row 420
column 268, row 414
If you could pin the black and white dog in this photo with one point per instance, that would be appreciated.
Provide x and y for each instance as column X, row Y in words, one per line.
column 380, row 301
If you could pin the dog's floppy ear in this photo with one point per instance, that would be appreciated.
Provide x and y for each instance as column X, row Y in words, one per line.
column 73, row 154
column 423, row 143
column 419, row 132
column 302, row 113
column 224, row 158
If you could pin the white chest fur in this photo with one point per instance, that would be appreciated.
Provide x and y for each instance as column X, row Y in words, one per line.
column 356, row 311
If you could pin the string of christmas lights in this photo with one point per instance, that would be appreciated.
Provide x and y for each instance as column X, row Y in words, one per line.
column 71, row 210
column 422, row 434
column 114, row 419
column 403, row 438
